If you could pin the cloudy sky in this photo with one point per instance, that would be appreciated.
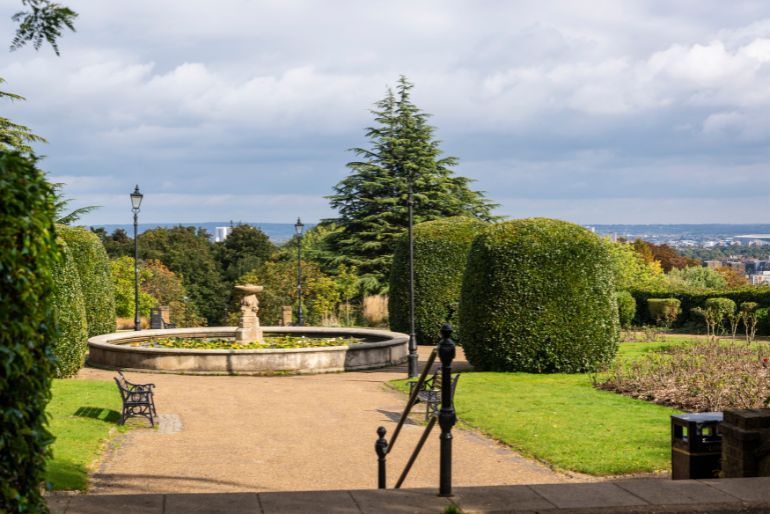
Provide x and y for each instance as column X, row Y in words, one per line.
column 595, row 112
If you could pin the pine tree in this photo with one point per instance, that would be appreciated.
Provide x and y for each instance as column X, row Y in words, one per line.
column 372, row 200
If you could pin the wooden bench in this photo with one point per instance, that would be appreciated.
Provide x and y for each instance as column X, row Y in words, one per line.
column 137, row 399
column 430, row 393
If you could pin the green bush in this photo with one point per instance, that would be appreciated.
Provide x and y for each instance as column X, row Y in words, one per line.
column 440, row 253
column 697, row 298
column 664, row 310
column 538, row 296
column 71, row 344
column 95, row 278
column 626, row 308
column 28, row 254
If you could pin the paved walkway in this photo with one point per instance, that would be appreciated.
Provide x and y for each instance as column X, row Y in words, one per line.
column 629, row 496
column 289, row 433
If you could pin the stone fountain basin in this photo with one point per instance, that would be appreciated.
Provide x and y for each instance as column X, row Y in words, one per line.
column 380, row 349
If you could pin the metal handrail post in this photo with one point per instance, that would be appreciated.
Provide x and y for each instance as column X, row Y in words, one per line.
column 447, row 417
column 381, row 447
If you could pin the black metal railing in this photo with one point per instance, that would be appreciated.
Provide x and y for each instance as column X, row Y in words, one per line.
column 445, row 418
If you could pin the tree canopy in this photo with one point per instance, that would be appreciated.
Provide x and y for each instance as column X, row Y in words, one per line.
column 372, row 199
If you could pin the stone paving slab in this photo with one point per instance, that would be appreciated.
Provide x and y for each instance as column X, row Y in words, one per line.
column 567, row 496
column 635, row 496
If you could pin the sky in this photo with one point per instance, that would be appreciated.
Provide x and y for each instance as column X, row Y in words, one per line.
column 590, row 111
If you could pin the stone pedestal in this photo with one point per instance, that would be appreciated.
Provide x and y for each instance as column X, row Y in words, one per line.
column 745, row 443
column 249, row 330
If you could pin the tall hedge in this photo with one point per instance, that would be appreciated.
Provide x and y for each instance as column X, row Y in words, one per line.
column 538, row 295
column 93, row 267
column 28, row 252
column 440, row 252
column 71, row 343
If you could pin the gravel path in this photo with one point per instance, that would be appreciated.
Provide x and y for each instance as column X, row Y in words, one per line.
column 289, row 433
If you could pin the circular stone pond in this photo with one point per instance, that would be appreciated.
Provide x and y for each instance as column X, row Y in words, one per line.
column 369, row 349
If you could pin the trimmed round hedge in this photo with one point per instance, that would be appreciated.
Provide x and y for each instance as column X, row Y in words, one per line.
column 95, row 278
column 28, row 254
column 538, row 296
column 71, row 344
column 440, row 253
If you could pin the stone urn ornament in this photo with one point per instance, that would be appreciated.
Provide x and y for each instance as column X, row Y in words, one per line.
column 249, row 330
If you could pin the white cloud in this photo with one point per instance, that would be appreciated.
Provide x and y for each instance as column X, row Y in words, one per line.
column 270, row 94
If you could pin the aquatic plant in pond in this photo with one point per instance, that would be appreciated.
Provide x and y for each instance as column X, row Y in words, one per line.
column 270, row 343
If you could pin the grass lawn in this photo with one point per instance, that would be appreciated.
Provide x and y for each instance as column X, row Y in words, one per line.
column 83, row 415
column 562, row 420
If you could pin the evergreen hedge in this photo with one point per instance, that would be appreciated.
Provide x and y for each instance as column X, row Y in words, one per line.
column 28, row 254
column 690, row 299
column 626, row 308
column 93, row 267
column 664, row 311
column 440, row 253
column 538, row 296
column 71, row 343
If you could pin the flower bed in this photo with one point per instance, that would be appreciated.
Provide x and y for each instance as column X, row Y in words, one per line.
column 276, row 342
column 702, row 376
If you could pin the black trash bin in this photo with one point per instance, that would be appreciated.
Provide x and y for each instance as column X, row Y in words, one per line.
column 696, row 445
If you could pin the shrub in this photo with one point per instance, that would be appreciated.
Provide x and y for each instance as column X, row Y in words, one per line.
column 28, row 254
column 93, row 267
column 71, row 343
column 690, row 299
column 538, row 296
column 714, row 313
column 626, row 308
column 749, row 316
column 440, row 253
column 664, row 310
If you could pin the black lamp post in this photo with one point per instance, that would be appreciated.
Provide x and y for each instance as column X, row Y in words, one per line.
column 412, row 359
column 136, row 202
column 298, row 229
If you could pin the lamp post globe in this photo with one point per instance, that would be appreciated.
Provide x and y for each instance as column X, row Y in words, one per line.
column 136, row 203
column 298, row 228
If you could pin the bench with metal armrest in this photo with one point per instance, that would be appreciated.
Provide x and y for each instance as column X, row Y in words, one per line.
column 138, row 399
column 430, row 392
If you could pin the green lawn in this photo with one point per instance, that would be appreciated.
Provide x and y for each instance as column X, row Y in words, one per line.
column 562, row 420
column 83, row 414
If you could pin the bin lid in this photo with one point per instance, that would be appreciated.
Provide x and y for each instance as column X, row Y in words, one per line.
column 700, row 417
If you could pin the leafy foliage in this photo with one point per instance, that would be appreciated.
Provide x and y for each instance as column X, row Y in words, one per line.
column 61, row 205
column 280, row 281
column 244, row 249
column 690, row 299
column 372, row 200
column 71, row 344
column 632, row 270
column 667, row 256
column 539, row 295
column 166, row 288
column 95, row 278
column 117, row 244
column 43, row 22
column 696, row 277
column 29, row 253
column 626, row 308
column 14, row 136
column 122, row 270
column 664, row 310
column 189, row 252
column 440, row 252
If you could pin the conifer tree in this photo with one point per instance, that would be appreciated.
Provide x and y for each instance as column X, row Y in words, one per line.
column 372, row 200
